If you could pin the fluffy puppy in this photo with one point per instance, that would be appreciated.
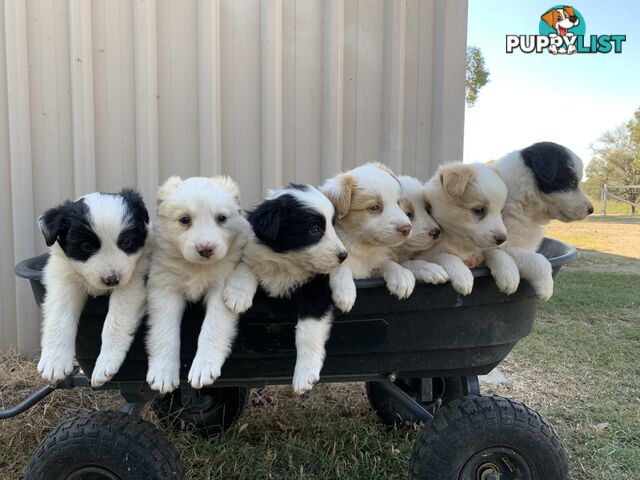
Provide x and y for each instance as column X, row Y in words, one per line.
column 543, row 181
column 370, row 222
column 200, row 235
column 294, row 248
column 96, row 247
column 425, row 233
column 467, row 203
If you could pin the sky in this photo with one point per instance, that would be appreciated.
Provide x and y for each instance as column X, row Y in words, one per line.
column 569, row 99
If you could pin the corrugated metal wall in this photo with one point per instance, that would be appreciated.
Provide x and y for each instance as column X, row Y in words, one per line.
column 95, row 95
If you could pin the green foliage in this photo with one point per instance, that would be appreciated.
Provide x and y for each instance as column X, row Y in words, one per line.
column 477, row 75
column 617, row 160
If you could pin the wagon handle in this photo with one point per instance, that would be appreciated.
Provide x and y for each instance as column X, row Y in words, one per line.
column 34, row 398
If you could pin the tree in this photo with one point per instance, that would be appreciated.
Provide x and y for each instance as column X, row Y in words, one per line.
column 477, row 75
column 617, row 160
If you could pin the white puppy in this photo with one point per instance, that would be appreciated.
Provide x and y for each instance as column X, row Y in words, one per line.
column 543, row 181
column 425, row 233
column 467, row 203
column 200, row 235
column 97, row 247
column 370, row 222
column 294, row 248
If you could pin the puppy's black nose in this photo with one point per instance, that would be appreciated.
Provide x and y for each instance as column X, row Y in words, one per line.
column 435, row 233
column 573, row 19
column 590, row 209
column 342, row 256
column 112, row 280
column 500, row 239
column 206, row 250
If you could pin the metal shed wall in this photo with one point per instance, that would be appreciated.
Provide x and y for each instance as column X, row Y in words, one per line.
column 100, row 94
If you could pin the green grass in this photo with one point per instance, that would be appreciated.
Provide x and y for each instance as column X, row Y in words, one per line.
column 613, row 218
column 581, row 368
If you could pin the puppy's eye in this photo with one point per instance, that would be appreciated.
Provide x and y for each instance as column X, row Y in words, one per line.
column 410, row 215
column 86, row 246
column 221, row 219
column 428, row 209
column 502, row 212
column 185, row 220
column 315, row 230
column 478, row 211
column 125, row 243
column 374, row 208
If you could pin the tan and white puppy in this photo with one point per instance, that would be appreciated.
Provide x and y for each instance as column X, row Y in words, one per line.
column 370, row 222
column 425, row 233
column 467, row 202
column 543, row 181
column 200, row 235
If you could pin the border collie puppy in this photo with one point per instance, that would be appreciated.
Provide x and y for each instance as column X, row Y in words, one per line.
column 199, row 235
column 467, row 202
column 294, row 249
column 370, row 222
column 97, row 247
column 544, row 184
column 425, row 233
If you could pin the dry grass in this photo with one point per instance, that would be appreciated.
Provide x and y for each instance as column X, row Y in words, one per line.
column 580, row 368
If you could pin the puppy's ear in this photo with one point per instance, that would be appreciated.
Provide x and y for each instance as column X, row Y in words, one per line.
column 550, row 17
column 228, row 184
column 455, row 178
column 135, row 203
column 570, row 11
column 543, row 161
column 53, row 222
column 339, row 191
column 265, row 220
column 167, row 187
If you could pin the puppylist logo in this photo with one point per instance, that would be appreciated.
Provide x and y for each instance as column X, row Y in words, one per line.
column 562, row 31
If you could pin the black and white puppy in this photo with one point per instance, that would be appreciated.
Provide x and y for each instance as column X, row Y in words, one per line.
column 97, row 247
column 294, row 249
column 543, row 183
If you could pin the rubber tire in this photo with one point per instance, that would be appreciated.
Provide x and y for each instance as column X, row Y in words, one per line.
column 129, row 447
column 394, row 414
column 222, row 408
column 467, row 426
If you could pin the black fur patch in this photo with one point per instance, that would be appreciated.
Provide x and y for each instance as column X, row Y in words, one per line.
column 134, row 235
column 314, row 297
column 69, row 225
column 285, row 224
column 552, row 166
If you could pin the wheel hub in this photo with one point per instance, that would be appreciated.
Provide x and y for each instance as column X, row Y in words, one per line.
column 496, row 463
column 92, row 473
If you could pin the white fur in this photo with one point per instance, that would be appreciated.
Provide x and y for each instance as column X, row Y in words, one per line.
column 527, row 213
column 311, row 336
column 179, row 273
column 69, row 282
column 467, row 239
column 370, row 239
column 425, row 233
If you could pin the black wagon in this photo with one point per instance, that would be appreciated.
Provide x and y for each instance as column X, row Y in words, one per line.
column 419, row 357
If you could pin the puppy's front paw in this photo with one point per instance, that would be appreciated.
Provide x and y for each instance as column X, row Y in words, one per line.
column 430, row 273
column 104, row 370
column 401, row 282
column 543, row 288
column 204, row 370
column 55, row 365
column 344, row 297
column 305, row 376
column 237, row 299
column 507, row 279
column 163, row 376
column 462, row 281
